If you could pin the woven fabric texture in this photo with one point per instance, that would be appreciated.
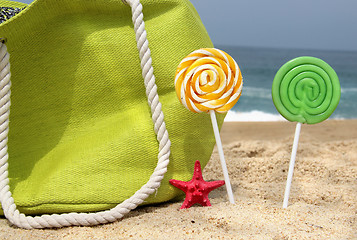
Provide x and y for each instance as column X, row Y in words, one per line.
column 81, row 136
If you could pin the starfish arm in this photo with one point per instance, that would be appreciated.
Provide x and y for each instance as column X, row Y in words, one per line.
column 197, row 173
column 206, row 202
column 179, row 184
column 187, row 203
column 214, row 184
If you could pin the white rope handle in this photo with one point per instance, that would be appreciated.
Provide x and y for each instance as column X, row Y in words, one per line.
column 86, row 219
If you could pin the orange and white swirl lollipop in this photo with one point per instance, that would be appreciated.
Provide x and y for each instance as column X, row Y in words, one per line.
column 208, row 79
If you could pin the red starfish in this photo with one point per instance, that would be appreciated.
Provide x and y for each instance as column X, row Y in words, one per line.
column 197, row 189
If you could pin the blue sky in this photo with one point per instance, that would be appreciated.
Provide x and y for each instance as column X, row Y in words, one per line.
column 304, row 24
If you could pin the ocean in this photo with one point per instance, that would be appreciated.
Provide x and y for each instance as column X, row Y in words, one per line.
column 259, row 66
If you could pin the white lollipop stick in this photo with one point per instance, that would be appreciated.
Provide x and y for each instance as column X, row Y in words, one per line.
column 292, row 164
column 221, row 156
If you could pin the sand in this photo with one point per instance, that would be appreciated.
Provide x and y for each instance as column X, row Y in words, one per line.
column 323, row 200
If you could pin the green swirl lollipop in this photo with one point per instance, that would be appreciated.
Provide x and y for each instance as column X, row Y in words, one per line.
column 306, row 90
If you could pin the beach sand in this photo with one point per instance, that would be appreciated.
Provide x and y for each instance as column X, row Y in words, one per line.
column 322, row 205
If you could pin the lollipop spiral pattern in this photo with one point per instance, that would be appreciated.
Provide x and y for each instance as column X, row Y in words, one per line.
column 306, row 90
column 208, row 79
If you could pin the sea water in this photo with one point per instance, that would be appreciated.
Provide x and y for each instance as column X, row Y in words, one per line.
column 259, row 66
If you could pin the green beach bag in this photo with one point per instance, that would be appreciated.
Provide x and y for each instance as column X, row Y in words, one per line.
column 85, row 139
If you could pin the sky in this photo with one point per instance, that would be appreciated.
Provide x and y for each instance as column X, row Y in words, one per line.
column 302, row 24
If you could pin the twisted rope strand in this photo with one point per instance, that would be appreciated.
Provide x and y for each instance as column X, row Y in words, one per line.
column 86, row 219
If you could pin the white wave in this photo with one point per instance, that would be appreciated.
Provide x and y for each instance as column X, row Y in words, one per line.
column 252, row 116
column 337, row 117
column 264, row 93
column 348, row 90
